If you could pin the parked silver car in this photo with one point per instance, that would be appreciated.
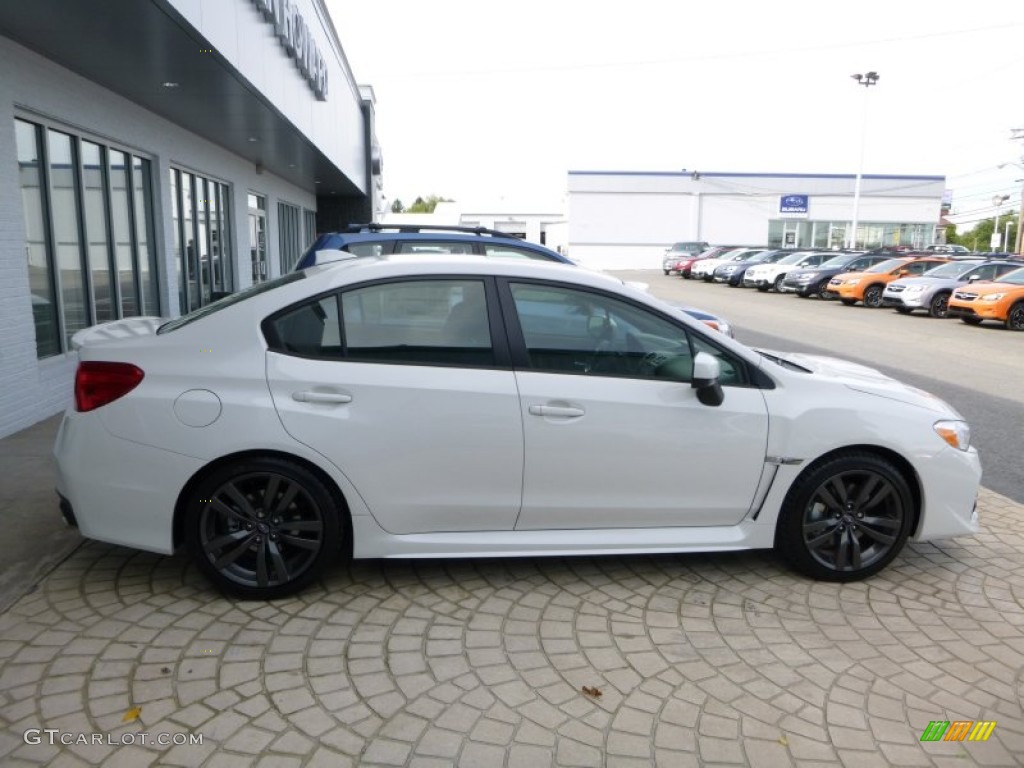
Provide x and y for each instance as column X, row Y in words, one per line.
column 931, row 291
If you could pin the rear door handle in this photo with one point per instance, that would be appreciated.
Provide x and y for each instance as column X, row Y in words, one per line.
column 564, row 411
column 321, row 397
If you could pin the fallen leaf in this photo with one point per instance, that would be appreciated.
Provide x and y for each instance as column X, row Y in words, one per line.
column 592, row 692
column 783, row 740
column 132, row 715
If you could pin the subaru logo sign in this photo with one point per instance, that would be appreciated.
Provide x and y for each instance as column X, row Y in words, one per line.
column 793, row 204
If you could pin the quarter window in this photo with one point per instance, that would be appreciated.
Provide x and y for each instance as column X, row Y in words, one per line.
column 433, row 246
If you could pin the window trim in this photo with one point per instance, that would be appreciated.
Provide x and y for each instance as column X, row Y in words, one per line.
column 499, row 338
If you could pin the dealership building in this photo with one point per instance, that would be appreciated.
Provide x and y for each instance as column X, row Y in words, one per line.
column 626, row 220
column 156, row 155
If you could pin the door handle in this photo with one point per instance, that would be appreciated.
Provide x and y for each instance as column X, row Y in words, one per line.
column 321, row 397
column 564, row 411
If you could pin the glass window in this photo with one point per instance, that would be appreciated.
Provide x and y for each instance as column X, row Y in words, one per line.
column 40, row 272
column 98, row 251
column 311, row 330
column 572, row 331
column 290, row 236
column 365, row 249
column 433, row 246
column 67, row 241
column 437, row 322
column 202, row 239
column 120, row 209
column 141, row 185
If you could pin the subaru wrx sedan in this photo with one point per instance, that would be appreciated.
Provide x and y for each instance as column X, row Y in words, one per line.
column 441, row 407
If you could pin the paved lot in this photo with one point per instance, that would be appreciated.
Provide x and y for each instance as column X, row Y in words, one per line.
column 710, row 660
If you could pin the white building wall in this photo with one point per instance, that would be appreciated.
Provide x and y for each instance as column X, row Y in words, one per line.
column 35, row 88
column 627, row 220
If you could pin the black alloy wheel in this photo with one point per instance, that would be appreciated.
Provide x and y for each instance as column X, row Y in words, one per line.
column 845, row 518
column 1015, row 317
column 939, row 306
column 873, row 296
column 262, row 528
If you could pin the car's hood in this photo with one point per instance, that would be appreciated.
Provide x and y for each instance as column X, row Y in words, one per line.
column 931, row 282
column 862, row 378
column 991, row 287
column 128, row 328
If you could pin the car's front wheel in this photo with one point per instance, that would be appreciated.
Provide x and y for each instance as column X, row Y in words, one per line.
column 1015, row 317
column 873, row 296
column 845, row 518
column 822, row 291
column 778, row 283
column 939, row 306
column 261, row 527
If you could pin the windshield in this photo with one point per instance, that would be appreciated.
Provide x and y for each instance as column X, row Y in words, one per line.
column 793, row 258
column 837, row 261
column 952, row 269
column 1014, row 278
column 886, row 266
column 228, row 301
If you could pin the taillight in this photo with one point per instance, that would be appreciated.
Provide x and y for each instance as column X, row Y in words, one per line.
column 97, row 384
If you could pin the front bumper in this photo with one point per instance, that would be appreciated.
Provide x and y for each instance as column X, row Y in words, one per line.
column 914, row 301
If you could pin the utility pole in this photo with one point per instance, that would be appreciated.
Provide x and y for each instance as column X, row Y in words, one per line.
column 1017, row 134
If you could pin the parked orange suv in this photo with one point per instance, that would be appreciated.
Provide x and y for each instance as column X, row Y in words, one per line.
column 1001, row 299
column 867, row 286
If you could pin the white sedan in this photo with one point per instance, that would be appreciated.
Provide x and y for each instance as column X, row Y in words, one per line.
column 413, row 407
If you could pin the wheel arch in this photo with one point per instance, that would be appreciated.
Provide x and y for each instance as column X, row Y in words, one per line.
column 906, row 470
column 344, row 513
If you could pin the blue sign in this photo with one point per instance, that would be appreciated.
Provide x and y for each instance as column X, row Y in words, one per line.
column 793, row 204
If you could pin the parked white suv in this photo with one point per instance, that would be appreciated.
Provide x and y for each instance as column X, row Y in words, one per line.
column 765, row 276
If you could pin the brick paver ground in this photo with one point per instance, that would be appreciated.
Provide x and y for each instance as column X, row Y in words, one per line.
column 710, row 660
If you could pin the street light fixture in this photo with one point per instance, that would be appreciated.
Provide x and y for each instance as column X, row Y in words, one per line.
column 871, row 78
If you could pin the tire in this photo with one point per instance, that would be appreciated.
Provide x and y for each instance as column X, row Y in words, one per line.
column 848, row 302
column 822, row 291
column 873, row 296
column 845, row 518
column 255, row 549
column 777, row 285
column 939, row 306
column 667, row 271
column 903, row 310
column 1015, row 317
column 971, row 320
column 762, row 288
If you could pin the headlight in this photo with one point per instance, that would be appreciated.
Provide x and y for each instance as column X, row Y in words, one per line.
column 956, row 433
column 914, row 289
column 854, row 281
column 991, row 297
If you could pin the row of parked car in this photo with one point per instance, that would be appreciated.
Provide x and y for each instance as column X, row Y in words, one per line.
column 944, row 281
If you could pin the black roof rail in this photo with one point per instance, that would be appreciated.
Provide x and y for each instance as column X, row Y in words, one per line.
column 414, row 228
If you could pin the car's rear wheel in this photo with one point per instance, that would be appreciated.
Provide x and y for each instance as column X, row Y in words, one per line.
column 848, row 302
column 939, row 306
column 262, row 527
column 845, row 518
column 971, row 320
column 873, row 296
column 778, row 283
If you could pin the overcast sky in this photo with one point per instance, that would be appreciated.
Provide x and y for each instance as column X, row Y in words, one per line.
column 479, row 101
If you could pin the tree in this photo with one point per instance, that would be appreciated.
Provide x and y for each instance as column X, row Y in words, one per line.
column 978, row 238
column 427, row 206
column 397, row 207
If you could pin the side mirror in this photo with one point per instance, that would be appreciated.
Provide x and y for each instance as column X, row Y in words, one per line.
column 706, row 372
column 973, row 278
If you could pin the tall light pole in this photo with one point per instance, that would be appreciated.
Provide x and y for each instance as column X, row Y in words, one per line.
column 1006, row 235
column 1019, row 245
column 871, row 78
column 997, row 201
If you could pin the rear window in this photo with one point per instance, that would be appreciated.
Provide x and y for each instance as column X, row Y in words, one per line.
column 227, row 301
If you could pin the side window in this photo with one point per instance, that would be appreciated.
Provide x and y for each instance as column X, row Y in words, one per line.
column 434, row 322
column 310, row 330
column 918, row 267
column 512, row 252
column 1001, row 269
column 433, row 246
column 571, row 331
column 365, row 249
column 858, row 265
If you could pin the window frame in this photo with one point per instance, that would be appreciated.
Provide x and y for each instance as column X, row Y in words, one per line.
column 499, row 339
